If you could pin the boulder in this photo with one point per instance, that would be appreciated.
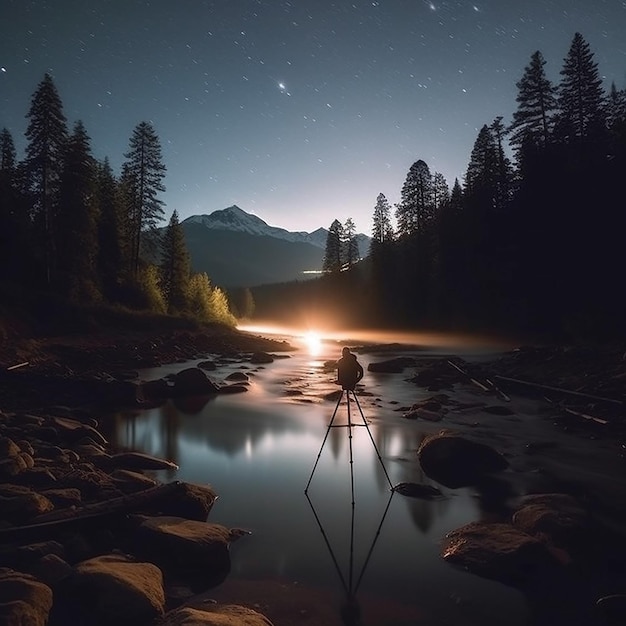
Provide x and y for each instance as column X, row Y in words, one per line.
column 115, row 588
column 238, row 376
column 261, row 357
column 196, row 551
column 190, row 501
column 218, row 615
column 23, row 599
column 497, row 551
column 557, row 516
column 455, row 461
column 193, row 381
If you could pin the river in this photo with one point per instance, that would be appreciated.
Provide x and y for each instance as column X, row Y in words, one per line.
column 348, row 534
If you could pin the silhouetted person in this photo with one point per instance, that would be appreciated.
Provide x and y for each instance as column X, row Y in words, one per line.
column 349, row 370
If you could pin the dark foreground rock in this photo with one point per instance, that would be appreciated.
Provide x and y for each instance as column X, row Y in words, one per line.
column 88, row 537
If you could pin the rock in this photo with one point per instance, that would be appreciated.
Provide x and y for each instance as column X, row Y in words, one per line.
column 220, row 615
column 455, row 461
column 557, row 515
column 238, row 376
column 497, row 551
column 498, row 409
column 138, row 461
column 193, row 381
column 23, row 599
column 391, row 366
column 154, row 390
column 197, row 551
column 129, row 481
column 232, row 389
column 261, row 357
column 209, row 366
column 114, row 588
column 8, row 448
column 74, row 430
column 191, row 501
column 20, row 509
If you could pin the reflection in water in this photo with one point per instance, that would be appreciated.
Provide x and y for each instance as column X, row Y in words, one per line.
column 256, row 449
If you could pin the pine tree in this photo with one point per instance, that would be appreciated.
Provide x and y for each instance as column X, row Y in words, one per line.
column 504, row 170
column 13, row 212
column 536, row 103
column 382, row 229
column 415, row 209
column 333, row 257
column 175, row 266
column 76, row 237
column 112, row 260
column 47, row 137
column 580, row 95
column 350, row 244
column 441, row 192
column 142, row 174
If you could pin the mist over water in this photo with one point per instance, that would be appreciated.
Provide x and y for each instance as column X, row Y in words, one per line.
column 258, row 450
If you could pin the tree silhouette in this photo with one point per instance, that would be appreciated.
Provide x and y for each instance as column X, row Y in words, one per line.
column 580, row 95
column 350, row 245
column 536, row 102
column 47, row 137
column 142, row 174
column 76, row 233
column 175, row 266
column 333, row 254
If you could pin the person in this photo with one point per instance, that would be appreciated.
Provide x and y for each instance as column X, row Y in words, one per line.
column 349, row 370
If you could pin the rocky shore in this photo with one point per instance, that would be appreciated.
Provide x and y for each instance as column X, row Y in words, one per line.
column 88, row 537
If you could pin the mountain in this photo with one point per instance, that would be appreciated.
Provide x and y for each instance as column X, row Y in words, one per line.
column 237, row 249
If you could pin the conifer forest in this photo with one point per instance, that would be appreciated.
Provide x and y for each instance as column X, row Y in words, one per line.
column 531, row 240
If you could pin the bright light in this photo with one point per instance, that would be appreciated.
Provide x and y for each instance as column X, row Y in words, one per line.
column 313, row 342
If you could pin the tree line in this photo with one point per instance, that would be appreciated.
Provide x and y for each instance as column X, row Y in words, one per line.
column 71, row 228
column 531, row 242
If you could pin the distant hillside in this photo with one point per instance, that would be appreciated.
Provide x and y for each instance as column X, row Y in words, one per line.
column 237, row 249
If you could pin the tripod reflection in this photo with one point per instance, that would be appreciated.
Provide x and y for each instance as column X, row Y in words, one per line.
column 350, row 611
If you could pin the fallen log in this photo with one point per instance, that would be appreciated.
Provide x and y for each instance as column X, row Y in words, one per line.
column 569, row 392
column 473, row 380
column 586, row 416
column 57, row 520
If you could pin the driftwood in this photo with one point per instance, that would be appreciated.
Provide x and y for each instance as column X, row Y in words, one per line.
column 579, row 394
column 473, row 380
column 55, row 520
column 586, row 416
column 15, row 367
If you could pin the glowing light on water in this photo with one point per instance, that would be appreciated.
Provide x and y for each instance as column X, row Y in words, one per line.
column 313, row 342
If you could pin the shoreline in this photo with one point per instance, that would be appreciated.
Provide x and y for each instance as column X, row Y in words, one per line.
column 547, row 447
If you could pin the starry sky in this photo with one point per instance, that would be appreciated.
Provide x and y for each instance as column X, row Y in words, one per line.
column 298, row 111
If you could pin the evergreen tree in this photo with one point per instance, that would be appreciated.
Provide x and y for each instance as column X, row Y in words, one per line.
column 13, row 212
column 142, row 176
column 615, row 108
column 441, row 192
column 76, row 233
column 350, row 244
column 580, row 95
column 333, row 257
column 536, row 102
column 47, row 137
column 415, row 209
column 382, row 229
column 112, row 237
column 175, row 266
column 504, row 170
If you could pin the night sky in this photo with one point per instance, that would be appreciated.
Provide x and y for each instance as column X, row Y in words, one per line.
column 302, row 111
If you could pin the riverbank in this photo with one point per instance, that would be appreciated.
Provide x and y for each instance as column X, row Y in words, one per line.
column 547, row 448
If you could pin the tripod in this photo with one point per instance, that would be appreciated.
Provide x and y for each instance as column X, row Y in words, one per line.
column 348, row 394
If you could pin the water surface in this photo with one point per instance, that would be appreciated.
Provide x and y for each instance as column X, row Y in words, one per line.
column 348, row 532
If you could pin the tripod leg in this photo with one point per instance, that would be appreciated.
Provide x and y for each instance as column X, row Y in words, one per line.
column 351, row 490
column 372, row 440
column 319, row 454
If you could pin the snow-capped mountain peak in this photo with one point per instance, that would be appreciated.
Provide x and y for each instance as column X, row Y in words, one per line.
column 235, row 219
